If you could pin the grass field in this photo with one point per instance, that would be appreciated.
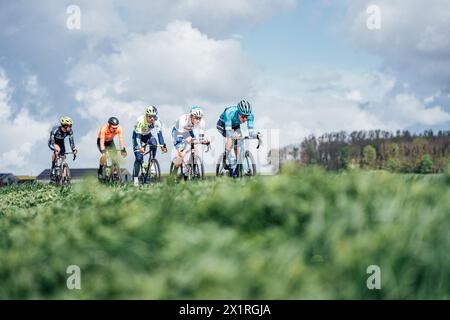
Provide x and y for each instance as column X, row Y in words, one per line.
column 304, row 234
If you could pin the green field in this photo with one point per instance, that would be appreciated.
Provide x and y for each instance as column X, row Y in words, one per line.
column 304, row 234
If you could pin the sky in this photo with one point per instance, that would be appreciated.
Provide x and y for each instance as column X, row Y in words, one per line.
column 307, row 67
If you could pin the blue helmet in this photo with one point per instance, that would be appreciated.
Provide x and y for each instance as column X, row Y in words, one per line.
column 244, row 108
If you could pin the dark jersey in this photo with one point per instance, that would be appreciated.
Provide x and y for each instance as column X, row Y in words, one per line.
column 58, row 136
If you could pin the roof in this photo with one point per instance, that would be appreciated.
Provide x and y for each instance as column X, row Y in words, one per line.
column 78, row 173
column 23, row 178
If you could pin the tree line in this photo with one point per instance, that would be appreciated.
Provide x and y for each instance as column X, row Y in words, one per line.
column 403, row 151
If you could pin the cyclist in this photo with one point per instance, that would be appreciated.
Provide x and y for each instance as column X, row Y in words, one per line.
column 56, row 141
column 142, row 134
column 105, row 140
column 183, row 132
column 229, row 126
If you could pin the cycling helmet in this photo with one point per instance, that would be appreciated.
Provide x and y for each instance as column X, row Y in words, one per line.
column 244, row 107
column 197, row 112
column 66, row 121
column 152, row 111
column 113, row 121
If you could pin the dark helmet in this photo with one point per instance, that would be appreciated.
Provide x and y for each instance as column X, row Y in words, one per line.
column 113, row 121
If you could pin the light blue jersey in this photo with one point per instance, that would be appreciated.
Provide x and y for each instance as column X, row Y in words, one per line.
column 231, row 120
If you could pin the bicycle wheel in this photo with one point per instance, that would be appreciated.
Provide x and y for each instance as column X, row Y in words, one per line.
column 58, row 176
column 116, row 174
column 220, row 165
column 175, row 172
column 196, row 170
column 65, row 174
column 248, row 167
column 152, row 172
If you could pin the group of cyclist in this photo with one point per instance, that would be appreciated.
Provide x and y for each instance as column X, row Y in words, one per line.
column 148, row 131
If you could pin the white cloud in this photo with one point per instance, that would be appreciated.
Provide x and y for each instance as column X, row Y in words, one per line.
column 21, row 133
column 350, row 101
column 171, row 66
column 354, row 95
column 414, row 40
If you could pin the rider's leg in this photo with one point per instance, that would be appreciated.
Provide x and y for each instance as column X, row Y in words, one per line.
column 56, row 151
column 139, row 158
column 137, row 164
column 179, row 141
column 101, row 161
column 180, row 156
column 153, row 143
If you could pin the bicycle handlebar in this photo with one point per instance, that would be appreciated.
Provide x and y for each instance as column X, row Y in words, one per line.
column 194, row 142
column 151, row 146
column 74, row 155
column 248, row 138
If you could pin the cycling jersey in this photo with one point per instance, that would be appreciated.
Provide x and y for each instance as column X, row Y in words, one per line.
column 143, row 128
column 230, row 120
column 184, row 125
column 109, row 134
column 57, row 136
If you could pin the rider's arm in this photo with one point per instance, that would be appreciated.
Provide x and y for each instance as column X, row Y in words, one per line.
column 201, row 130
column 102, row 138
column 251, row 130
column 51, row 141
column 228, row 126
column 158, row 128
column 138, row 133
column 71, row 141
column 120, row 134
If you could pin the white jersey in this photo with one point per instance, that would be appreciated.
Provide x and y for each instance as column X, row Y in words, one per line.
column 184, row 125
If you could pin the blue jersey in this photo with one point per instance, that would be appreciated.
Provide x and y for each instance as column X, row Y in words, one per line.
column 231, row 120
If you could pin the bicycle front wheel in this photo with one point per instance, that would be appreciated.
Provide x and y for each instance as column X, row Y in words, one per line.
column 153, row 173
column 65, row 174
column 248, row 167
column 196, row 169
column 220, row 166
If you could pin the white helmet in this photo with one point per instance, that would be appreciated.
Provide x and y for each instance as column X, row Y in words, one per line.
column 197, row 112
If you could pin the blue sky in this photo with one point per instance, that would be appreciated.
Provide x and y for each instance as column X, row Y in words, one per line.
column 308, row 67
column 308, row 34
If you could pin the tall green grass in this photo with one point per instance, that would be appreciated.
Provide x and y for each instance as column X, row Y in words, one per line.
column 305, row 234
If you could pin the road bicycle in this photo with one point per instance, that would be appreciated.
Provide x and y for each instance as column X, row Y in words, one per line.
column 246, row 165
column 111, row 172
column 150, row 170
column 193, row 169
column 61, row 174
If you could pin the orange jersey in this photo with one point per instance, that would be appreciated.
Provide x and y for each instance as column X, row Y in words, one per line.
column 108, row 134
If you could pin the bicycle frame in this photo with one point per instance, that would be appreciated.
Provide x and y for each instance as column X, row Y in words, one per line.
column 244, row 154
column 193, row 167
column 60, row 166
column 112, row 170
column 151, row 158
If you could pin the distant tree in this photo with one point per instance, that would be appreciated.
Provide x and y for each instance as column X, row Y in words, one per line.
column 370, row 156
column 426, row 164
